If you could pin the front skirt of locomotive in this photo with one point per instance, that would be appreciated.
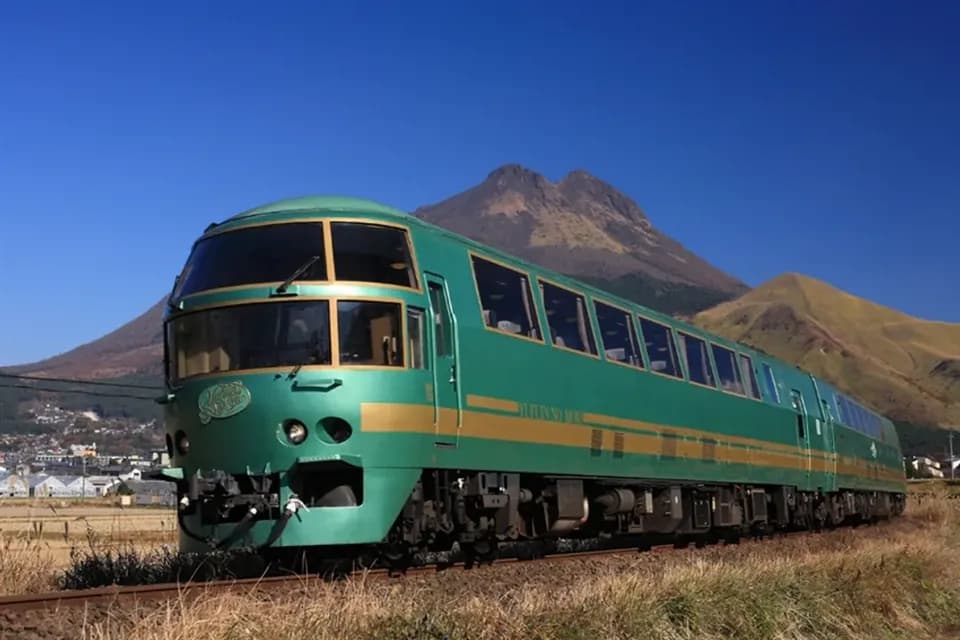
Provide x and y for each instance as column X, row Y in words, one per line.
column 317, row 502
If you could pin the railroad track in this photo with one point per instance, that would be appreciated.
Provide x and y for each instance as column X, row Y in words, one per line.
column 128, row 595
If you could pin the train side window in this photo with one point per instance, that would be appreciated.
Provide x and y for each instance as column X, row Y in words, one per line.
column 369, row 333
column 415, row 342
column 857, row 416
column 862, row 418
column 567, row 319
column 749, row 376
column 771, row 381
column 505, row 299
column 442, row 320
column 661, row 350
column 372, row 253
column 727, row 369
column 618, row 335
column 841, row 409
column 698, row 360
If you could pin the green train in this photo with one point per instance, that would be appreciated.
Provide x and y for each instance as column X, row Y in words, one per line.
column 342, row 375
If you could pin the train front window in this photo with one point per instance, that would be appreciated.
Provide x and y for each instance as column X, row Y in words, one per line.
column 372, row 253
column 370, row 333
column 250, row 336
column 252, row 255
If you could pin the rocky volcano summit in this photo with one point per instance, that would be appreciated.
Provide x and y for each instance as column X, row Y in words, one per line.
column 580, row 226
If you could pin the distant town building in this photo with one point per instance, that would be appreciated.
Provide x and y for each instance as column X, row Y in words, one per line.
column 14, row 486
column 83, row 450
column 44, row 486
column 150, row 492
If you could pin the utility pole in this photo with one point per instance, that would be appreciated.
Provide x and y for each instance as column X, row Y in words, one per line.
column 950, row 440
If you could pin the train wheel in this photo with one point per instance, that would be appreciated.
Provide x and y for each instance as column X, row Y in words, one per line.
column 530, row 550
column 397, row 558
column 480, row 552
column 731, row 536
column 821, row 515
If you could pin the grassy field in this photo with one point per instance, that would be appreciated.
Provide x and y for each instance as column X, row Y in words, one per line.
column 895, row 580
column 37, row 537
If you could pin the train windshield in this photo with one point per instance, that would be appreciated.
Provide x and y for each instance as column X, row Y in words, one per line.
column 256, row 254
column 250, row 336
column 369, row 333
column 372, row 253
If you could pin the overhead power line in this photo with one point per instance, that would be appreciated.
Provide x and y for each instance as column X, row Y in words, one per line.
column 95, row 383
column 85, row 393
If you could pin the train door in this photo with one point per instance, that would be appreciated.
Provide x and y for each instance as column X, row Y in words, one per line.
column 447, row 408
column 830, row 445
column 803, row 432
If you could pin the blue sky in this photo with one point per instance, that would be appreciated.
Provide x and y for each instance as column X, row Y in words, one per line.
column 767, row 137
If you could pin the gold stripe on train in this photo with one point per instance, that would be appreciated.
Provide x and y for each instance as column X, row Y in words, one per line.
column 497, row 404
column 410, row 418
column 513, row 406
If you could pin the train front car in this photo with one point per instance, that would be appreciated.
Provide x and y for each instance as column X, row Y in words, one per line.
column 290, row 325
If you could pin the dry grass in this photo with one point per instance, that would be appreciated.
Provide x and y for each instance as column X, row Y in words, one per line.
column 891, row 581
column 39, row 539
column 26, row 567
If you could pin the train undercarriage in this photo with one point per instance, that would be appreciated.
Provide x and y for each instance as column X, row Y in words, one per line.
column 476, row 517
column 481, row 512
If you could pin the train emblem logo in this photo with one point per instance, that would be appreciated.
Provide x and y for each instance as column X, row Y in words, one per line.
column 223, row 400
column 873, row 449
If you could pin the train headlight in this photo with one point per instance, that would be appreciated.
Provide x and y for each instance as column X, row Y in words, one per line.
column 182, row 442
column 296, row 431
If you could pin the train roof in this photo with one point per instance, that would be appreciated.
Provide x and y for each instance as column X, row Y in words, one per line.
column 321, row 203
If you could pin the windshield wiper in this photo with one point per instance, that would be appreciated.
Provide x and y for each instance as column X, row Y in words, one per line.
column 296, row 274
column 313, row 356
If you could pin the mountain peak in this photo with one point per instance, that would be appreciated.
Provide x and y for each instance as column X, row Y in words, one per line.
column 794, row 278
column 586, row 190
column 899, row 364
column 578, row 226
column 581, row 176
column 513, row 172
